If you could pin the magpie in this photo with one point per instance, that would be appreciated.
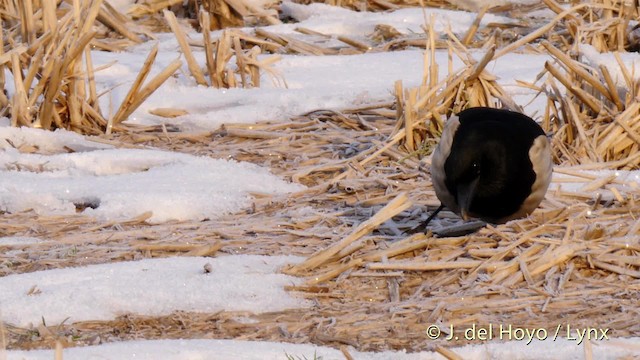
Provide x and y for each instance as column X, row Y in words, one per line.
column 491, row 164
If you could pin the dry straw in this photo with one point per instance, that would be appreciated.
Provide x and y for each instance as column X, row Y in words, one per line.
column 595, row 121
column 539, row 256
column 573, row 252
column 232, row 44
column 384, row 5
column 138, row 93
column 52, row 69
column 603, row 24
column 422, row 110
column 222, row 13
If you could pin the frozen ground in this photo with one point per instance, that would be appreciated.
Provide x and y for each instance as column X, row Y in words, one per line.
column 312, row 82
column 123, row 183
column 245, row 350
column 148, row 287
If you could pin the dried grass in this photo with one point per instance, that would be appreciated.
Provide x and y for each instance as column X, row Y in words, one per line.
column 376, row 288
column 231, row 45
column 384, row 5
column 422, row 110
column 594, row 121
column 222, row 13
column 600, row 23
column 59, row 96
column 27, row 20
column 53, row 72
column 138, row 93
column 383, row 288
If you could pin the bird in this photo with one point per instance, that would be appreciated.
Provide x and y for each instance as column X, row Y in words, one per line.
column 491, row 164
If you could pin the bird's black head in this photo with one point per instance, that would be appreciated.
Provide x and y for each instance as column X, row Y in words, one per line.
column 475, row 170
column 488, row 170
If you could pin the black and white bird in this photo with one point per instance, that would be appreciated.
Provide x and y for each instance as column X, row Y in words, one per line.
column 491, row 164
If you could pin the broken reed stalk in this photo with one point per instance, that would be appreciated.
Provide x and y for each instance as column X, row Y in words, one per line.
column 3, row 339
column 416, row 126
column 194, row 68
column 111, row 18
column 591, row 124
column 120, row 114
column 427, row 265
column 222, row 13
column 394, row 207
column 466, row 40
column 410, row 119
column 151, row 7
column 168, row 112
column 205, row 250
column 424, row 108
column 27, row 22
column 93, row 92
column 237, row 48
column 294, row 45
column 58, row 88
column 220, row 52
column 4, row 101
column 58, row 353
column 137, row 98
column 541, row 31
column 49, row 17
column 19, row 113
column 448, row 353
column 205, row 25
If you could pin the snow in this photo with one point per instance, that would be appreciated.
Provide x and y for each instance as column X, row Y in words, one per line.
column 124, row 183
column 121, row 5
column 630, row 60
column 322, row 82
column 148, row 287
column 312, row 82
column 477, row 5
column 625, row 182
column 251, row 350
column 46, row 141
column 333, row 20
column 18, row 241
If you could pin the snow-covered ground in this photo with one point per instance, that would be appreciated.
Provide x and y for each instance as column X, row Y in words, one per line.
column 312, row 82
column 126, row 183
column 148, row 287
column 251, row 350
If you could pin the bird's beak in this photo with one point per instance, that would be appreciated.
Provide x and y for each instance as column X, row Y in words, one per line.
column 466, row 193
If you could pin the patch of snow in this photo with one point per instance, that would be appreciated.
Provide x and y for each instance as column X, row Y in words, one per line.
column 19, row 240
column 630, row 60
column 152, row 287
column 121, row 5
column 254, row 350
column 313, row 82
column 120, row 184
column 622, row 180
column 477, row 5
column 46, row 141
column 332, row 20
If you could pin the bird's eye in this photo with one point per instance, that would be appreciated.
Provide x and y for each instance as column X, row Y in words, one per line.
column 476, row 168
